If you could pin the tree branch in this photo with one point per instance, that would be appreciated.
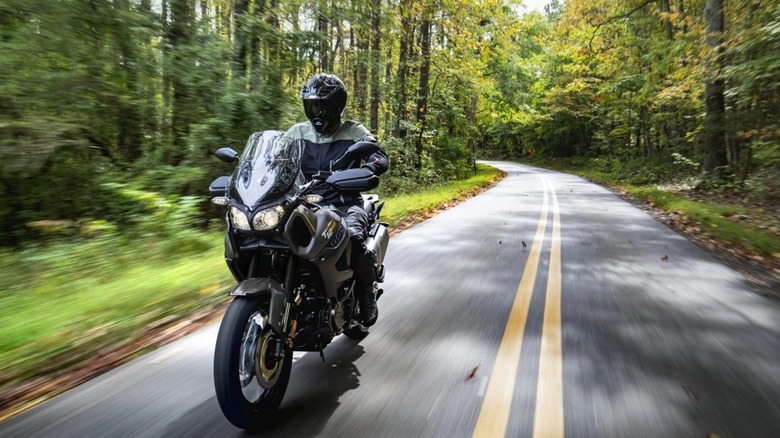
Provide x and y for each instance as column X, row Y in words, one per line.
column 614, row 18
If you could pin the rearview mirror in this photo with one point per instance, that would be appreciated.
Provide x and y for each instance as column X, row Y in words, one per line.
column 360, row 149
column 227, row 155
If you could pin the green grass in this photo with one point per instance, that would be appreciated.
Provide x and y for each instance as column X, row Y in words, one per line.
column 59, row 317
column 716, row 219
column 63, row 303
column 401, row 207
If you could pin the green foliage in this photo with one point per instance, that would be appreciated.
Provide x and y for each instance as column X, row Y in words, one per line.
column 402, row 207
column 173, row 221
column 624, row 85
column 452, row 158
column 116, row 92
column 64, row 301
column 752, row 70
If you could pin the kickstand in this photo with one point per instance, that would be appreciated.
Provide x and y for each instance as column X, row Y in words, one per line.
column 322, row 355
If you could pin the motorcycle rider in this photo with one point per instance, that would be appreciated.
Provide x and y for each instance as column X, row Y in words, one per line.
column 326, row 138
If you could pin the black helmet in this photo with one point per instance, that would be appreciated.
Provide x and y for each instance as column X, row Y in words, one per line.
column 324, row 98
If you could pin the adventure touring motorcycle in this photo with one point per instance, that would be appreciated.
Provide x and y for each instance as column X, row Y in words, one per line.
column 291, row 257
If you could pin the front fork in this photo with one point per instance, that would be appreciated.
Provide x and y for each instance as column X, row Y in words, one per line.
column 288, row 287
column 280, row 309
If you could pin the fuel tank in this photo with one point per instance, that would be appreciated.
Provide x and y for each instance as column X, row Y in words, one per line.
column 321, row 237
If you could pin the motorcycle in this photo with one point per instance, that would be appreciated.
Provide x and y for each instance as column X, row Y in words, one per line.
column 292, row 258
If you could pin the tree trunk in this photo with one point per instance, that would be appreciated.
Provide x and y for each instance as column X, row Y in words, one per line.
column 339, row 49
column 323, row 27
column 376, row 55
column 403, row 67
column 128, row 112
column 273, row 86
column 422, row 90
column 179, row 35
column 166, row 50
column 240, row 37
column 256, row 46
column 715, row 118
column 361, row 56
column 387, row 114
column 667, row 21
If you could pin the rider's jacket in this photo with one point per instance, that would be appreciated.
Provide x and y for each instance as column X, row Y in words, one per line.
column 321, row 149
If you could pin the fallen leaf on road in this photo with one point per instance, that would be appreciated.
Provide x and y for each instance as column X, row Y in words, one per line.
column 665, row 258
column 473, row 373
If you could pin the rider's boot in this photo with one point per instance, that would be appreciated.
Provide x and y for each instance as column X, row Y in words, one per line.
column 368, row 309
column 365, row 276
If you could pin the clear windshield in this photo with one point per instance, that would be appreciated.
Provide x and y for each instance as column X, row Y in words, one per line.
column 268, row 169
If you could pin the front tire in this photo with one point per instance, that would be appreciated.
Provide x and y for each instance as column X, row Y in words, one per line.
column 250, row 383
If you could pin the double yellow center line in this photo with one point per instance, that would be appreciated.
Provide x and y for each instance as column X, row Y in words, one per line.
column 548, row 417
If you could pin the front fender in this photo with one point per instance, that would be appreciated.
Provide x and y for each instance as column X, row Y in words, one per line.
column 278, row 300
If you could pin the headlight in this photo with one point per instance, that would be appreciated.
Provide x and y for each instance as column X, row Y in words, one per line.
column 239, row 219
column 268, row 218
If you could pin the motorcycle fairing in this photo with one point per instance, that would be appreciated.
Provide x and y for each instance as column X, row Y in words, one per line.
column 268, row 169
column 303, row 225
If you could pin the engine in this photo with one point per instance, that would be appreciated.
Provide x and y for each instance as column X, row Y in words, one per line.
column 319, row 319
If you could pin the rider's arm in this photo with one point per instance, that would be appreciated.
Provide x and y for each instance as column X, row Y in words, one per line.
column 377, row 162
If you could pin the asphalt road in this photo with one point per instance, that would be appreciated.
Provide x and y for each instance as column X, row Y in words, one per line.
column 618, row 328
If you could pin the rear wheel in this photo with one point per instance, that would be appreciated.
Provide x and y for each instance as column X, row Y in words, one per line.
column 249, row 379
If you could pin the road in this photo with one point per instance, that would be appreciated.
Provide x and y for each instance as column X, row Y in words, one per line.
column 544, row 307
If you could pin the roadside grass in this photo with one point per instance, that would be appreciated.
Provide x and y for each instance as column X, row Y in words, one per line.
column 400, row 208
column 721, row 221
column 718, row 220
column 55, row 316
column 66, row 303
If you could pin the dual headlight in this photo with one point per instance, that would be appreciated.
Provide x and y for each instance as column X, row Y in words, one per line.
column 263, row 220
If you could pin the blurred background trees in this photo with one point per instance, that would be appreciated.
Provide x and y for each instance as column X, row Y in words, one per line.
column 653, row 89
column 140, row 93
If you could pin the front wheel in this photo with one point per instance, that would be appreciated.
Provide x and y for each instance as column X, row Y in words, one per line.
column 249, row 378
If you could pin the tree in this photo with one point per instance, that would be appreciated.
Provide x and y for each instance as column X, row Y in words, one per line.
column 714, row 121
column 407, row 36
column 179, row 36
column 422, row 89
column 376, row 59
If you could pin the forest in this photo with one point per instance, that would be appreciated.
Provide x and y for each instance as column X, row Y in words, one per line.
column 110, row 110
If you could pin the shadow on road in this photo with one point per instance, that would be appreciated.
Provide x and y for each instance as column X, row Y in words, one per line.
column 312, row 395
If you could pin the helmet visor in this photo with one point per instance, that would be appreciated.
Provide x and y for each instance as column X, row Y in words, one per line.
column 323, row 108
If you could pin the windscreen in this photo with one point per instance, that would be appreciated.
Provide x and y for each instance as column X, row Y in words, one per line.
column 268, row 169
